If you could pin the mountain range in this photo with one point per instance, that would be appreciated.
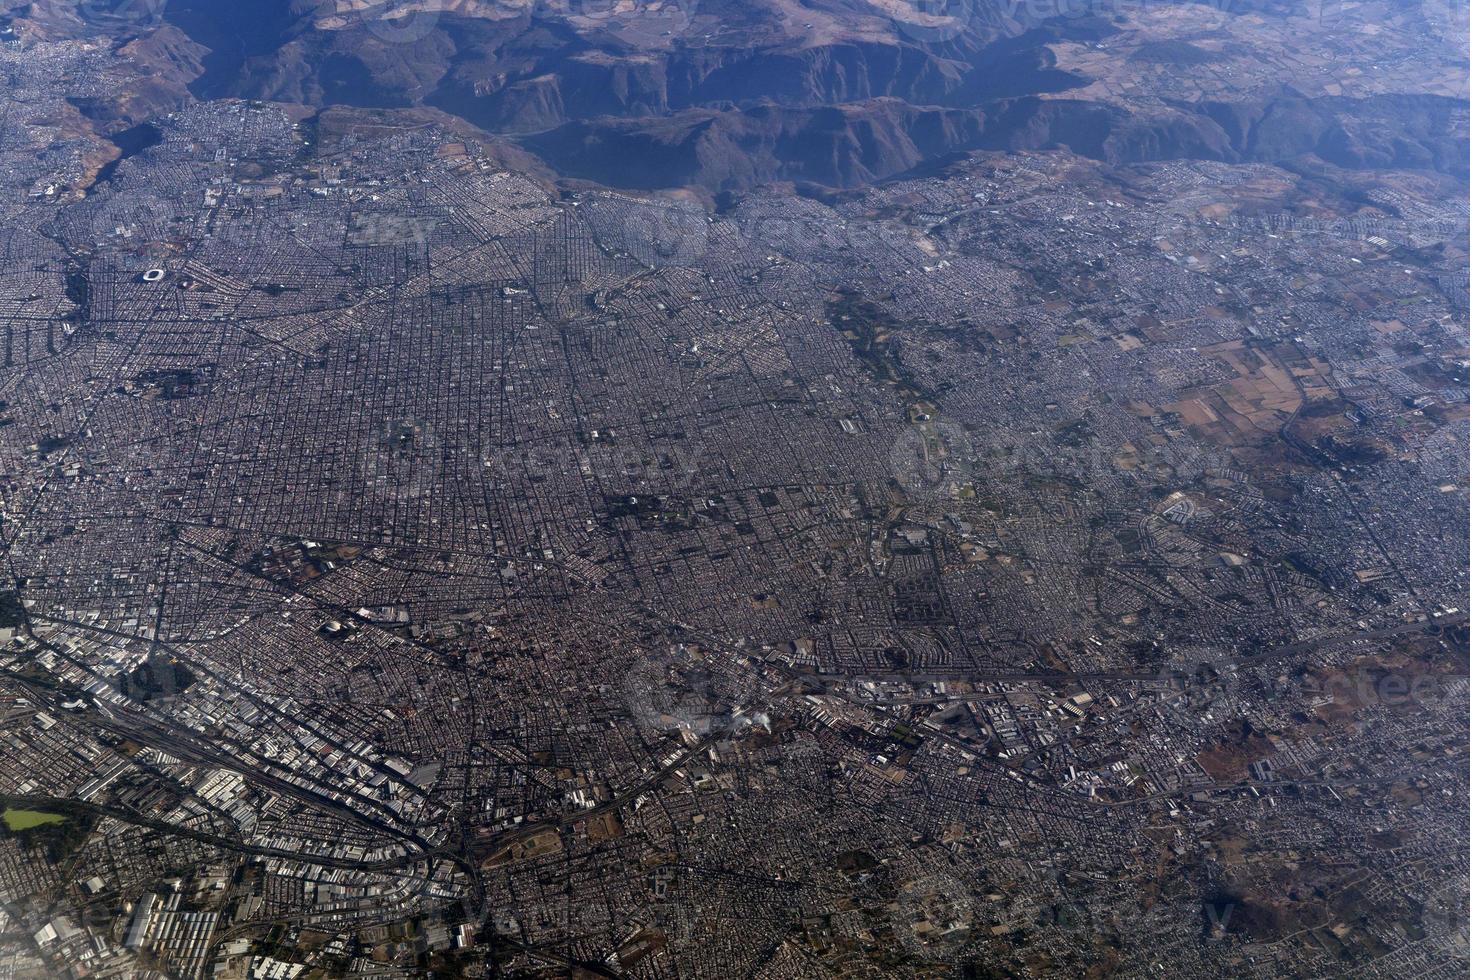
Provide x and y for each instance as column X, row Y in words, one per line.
column 721, row 96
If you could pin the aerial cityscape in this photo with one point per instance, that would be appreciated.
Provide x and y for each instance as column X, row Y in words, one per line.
column 759, row 489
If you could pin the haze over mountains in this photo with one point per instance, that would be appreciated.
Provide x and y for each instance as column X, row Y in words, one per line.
column 779, row 489
column 725, row 95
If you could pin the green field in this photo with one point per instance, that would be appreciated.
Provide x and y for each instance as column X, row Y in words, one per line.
column 26, row 819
